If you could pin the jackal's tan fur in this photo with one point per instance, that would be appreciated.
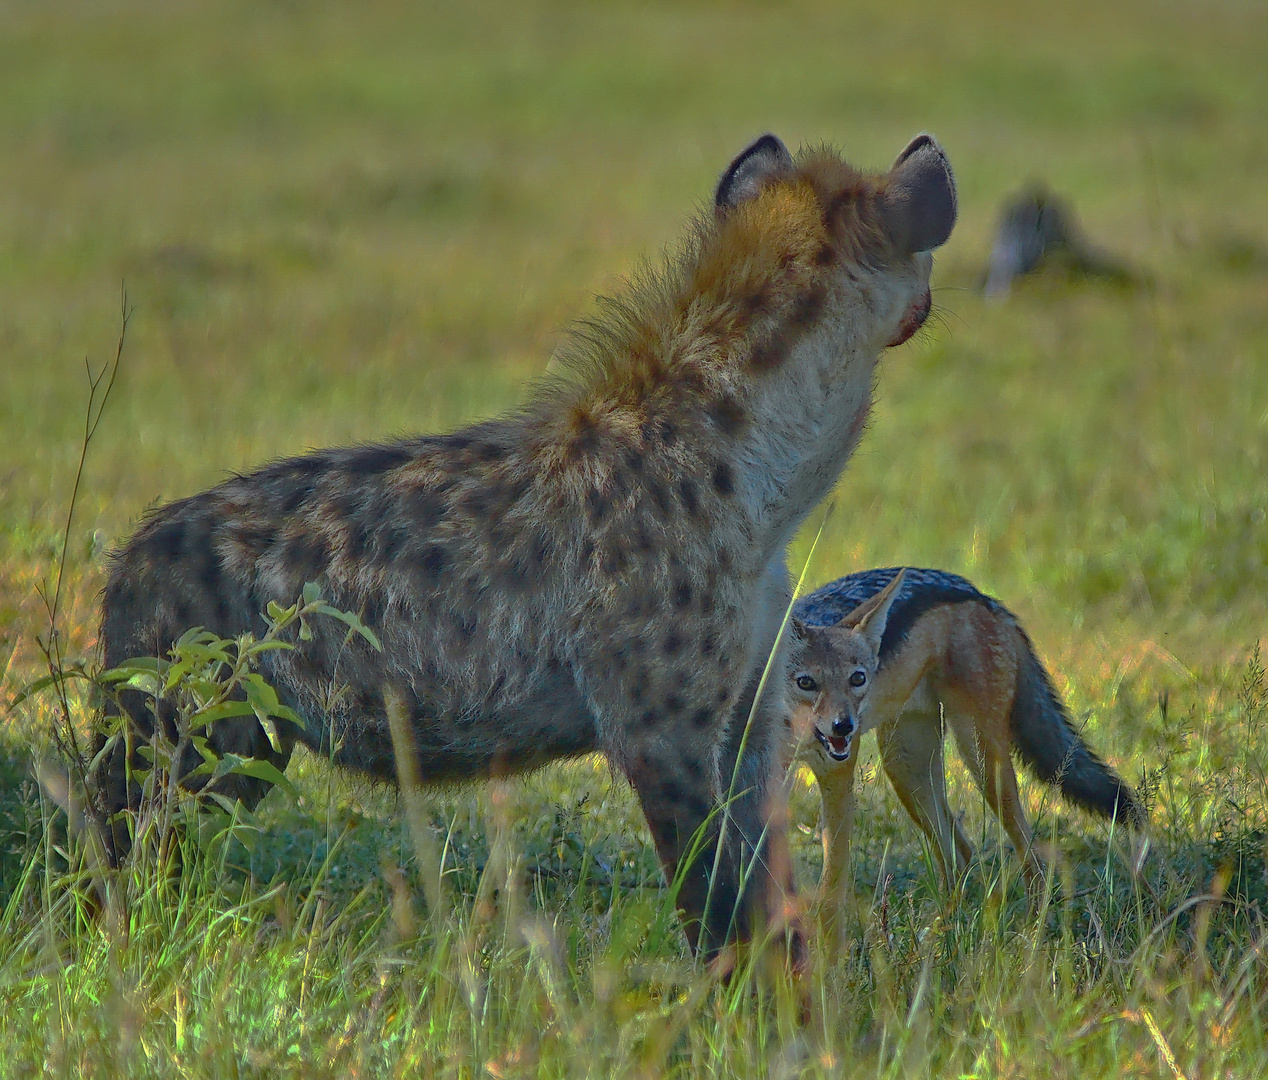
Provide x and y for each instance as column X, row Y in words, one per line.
column 604, row 568
column 927, row 649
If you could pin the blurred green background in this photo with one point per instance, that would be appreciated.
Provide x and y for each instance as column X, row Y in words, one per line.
column 340, row 222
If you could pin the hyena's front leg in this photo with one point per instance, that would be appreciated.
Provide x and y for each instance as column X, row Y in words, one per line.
column 672, row 726
column 675, row 780
column 726, row 895
column 755, row 834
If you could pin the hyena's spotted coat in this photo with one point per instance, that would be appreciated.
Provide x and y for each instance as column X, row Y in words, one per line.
column 603, row 569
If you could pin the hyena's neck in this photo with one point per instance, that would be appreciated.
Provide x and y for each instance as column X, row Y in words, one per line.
column 806, row 424
column 749, row 367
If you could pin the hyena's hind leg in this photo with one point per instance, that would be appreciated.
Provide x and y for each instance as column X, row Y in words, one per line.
column 113, row 781
column 911, row 749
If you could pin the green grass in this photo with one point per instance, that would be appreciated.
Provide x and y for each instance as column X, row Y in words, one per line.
column 341, row 222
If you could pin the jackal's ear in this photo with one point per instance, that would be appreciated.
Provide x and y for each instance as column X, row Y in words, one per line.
column 751, row 171
column 919, row 200
column 870, row 617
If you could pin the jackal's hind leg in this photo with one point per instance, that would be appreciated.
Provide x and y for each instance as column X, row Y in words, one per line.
column 912, row 754
column 987, row 759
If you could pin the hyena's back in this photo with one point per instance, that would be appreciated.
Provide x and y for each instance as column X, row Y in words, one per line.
column 413, row 536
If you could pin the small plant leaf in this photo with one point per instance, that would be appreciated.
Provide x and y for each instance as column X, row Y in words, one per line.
column 264, row 704
column 278, row 615
column 145, row 682
column 267, row 646
column 270, row 729
column 106, row 748
column 264, row 770
column 194, row 633
column 223, row 711
column 352, row 620
column 223, row 801
column 44, row 683
column 138, row 665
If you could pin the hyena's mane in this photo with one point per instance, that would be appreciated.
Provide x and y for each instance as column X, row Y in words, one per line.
column 719, row 304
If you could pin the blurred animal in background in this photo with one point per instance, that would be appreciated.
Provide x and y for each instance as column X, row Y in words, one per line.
column 1038, row 230
column 907, row 652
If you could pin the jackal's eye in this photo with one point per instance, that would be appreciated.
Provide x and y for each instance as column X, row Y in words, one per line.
column 858, row 677
column 807, row 683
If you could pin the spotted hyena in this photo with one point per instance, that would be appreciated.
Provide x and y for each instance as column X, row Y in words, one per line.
column 602, row 569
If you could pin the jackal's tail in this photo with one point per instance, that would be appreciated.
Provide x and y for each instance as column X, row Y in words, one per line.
column 1047, row 743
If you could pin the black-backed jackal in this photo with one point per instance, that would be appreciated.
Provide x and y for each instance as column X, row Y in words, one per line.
column 906, row 652
column 601, row 569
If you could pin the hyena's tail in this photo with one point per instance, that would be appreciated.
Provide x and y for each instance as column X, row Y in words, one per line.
column 1047, row 743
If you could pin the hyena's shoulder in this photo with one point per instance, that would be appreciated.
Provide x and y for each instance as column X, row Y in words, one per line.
column 921, row 591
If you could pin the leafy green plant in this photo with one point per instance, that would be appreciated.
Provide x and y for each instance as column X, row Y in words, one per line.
column 180, row 825
column 204, row 680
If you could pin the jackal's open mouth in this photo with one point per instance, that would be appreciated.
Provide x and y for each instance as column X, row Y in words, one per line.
column 835, row 746
column 913, row 320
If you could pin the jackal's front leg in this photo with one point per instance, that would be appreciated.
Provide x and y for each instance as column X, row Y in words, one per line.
column 836, row 790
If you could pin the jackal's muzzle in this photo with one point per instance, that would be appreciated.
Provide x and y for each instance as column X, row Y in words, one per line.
column 840, row 744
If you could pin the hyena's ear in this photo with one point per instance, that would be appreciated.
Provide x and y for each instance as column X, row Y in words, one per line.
column 919, row 200
column 751, row 171
column 870, row 617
